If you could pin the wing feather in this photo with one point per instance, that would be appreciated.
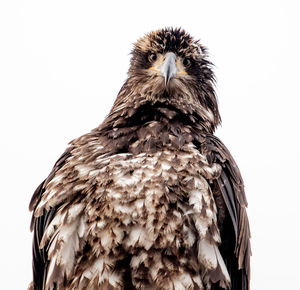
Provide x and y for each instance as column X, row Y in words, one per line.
column 39, row 224
column 235, row 230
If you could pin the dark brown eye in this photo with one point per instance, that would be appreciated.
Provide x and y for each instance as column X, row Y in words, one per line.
column 152, row 57
column 186, row 62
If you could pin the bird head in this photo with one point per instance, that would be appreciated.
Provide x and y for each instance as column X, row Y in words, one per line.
column 170, row 67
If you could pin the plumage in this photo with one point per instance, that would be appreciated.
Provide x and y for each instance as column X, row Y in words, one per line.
column 150, row 199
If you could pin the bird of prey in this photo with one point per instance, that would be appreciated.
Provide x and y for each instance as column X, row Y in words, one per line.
column 150, row 199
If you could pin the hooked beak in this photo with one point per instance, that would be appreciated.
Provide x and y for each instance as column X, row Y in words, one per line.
column 168, row 68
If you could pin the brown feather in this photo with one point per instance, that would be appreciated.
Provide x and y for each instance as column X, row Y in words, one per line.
column 150, row 199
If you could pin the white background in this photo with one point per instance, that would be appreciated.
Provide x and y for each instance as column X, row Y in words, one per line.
column 62, row 64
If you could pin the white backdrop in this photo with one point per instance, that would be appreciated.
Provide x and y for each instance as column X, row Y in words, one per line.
column 62, row 64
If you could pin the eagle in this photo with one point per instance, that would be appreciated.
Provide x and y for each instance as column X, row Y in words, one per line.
column 151, row 198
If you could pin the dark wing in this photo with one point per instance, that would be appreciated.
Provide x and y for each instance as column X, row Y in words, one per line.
column 234, row 225
column 39, row 224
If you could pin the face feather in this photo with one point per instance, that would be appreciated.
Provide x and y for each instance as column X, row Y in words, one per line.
column 168, row 66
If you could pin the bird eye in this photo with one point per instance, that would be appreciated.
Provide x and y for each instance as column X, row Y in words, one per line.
column 186, row 62
column 152, row 57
